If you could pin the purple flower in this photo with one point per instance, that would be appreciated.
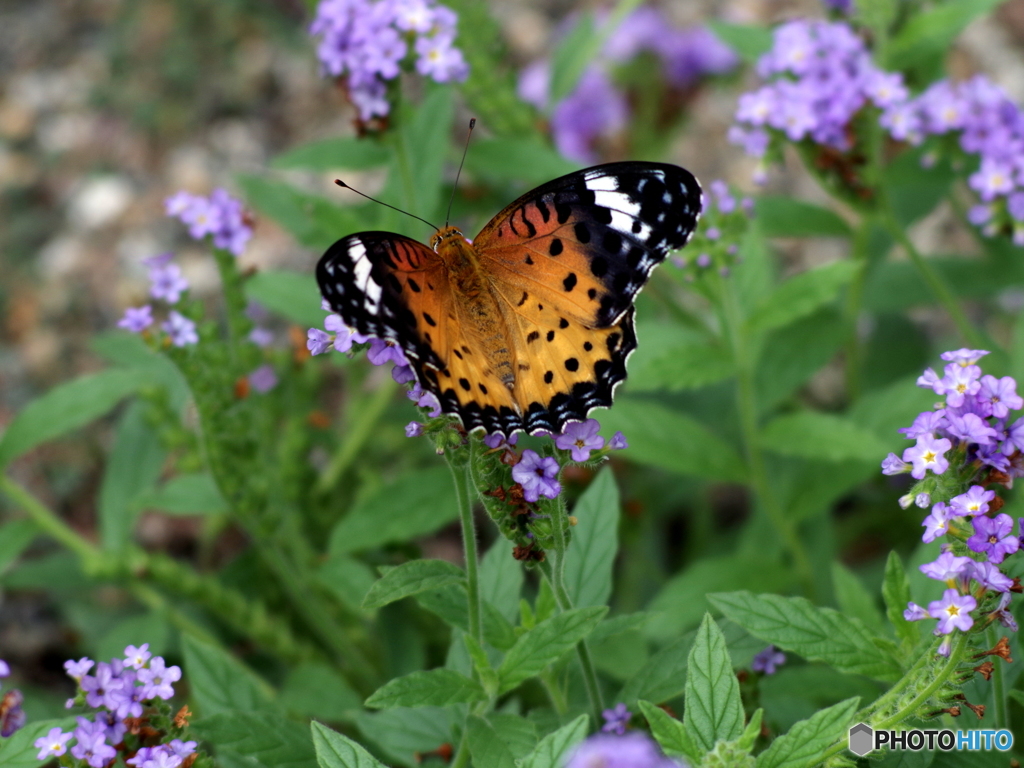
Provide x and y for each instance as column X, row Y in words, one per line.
column 974, row 502
column 618, row 441
column 78, row 669
column 113, row 726
column 937, row 523
column 929, row 453
column 926, row 423
column 1001, row 394
column 537, row 475
column 964, row 357
column 403, row 374
column 5, row 669
column 581, row 438
column 137, row 657
column 914, row 612
column 993, row 179
column 616, row 719
column 1002, row 615
column 425, row 399
column 136, row 319
column 92, row 747
column 344, row 337
column 181, row 330
column 970, row 428
column 99, row 687
column 959, row 382
column 182, row 748
column 894, row 465
column 157, row 679
column 605, row 750
column 383, row 351
column 989, row 576
column 167, row 283
column 947, row 566
column 497, row 440
column 53, row 744
column 952, row 611
column 993, row 537
column 767, row 660
column 440, row 60
column 923, row 500
column 261, row 337
column 413, row 429
column 317, row 341
column 596, row 108
column 263, row 379
column 219, row 215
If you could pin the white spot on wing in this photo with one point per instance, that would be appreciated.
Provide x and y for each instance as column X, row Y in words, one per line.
column 617, row 202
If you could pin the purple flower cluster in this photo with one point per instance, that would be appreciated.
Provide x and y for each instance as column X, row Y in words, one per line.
column 989, row 126
column 768, row 660
column 367, row 41
column 820, row 75
column 12, row 716
column 724, row 219
column 219, row 215
column 616, row 719
column 965, row 443
column 167, row 284
column 537, row 475
column 117, row 691
column 598, row 109
column 632, row 750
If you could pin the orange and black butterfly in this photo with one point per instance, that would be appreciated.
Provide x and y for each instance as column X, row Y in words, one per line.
column 529, row 325
column 12, row 716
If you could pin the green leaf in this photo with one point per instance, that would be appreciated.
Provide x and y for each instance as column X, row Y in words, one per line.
column 257, row 739
column 752, row 731
column 571, row 57
column 293, row 295
column 130, row 351
column 15, row 536
column 853, row 599
column 401, row 733
column 821, row 436
column 350, row 152
column 931, row 32
column 802, row 746
column 746, row 40
column 515, row 731
column 347, row 578
column 501, row 159
column 411, row 578
column 551, row 750
column 914, row 188
column 876, row 15
column 672, row 440
column 794, row 353
column 66, row 407
column 221, row 683
column 818, row 634
column 501, row 579
column 687, row 365
column 134, row 465
column 335, row 750
column 789, row 217
column 663, row 677
column 415, row 504
column 19, row 750
column 801, row 295
column 312, row 220
column 427, row 137
column 671, row 735
column 896, row 594
column 149, row 627
column 545, row 643
column 315, row 689
column 485, row 746
column 714, row 711
column 189, row 494
column 430, row 688
column 482, row 664
column 450, row 604
column 595, row 541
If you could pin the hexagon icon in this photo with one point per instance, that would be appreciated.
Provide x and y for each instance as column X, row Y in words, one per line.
column 861, row 739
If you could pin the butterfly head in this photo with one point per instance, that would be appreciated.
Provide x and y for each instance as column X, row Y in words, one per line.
column 445, row 236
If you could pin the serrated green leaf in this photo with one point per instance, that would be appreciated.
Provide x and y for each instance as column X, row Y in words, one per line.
column 570, row 58
column 221, row 683
column 130, row 351
column 411, row 578
column 415, row 504
column 293, row 295
column 789, row 217
column 714, row 710
column 673, row 440
column 801, row 295
column 792, row 354
column 896, row 594
column 485, row 746
column 347, row 578
column 65, row 408
column 15, row 536
column 401, row 733
column 746, row 40
column 595, row 541
column 545, row 643
column 502, row 159
column 853, row 599
column 450, row 604
column 355, row 153
column 663, row 677
column 315, row 689
column 19, row 750
column 752, row 731
column 551, row 750
column 931, row 32
column 915, row 187
column 818, row 634
column 821, row 436
column 189, row 494
column 335, row 750
column 682, row 366
column 896, row 286
column 517, row 733
column 671, row 734
column 429, row 688
column 488, row 675
column 257, row 739
column 802, row 746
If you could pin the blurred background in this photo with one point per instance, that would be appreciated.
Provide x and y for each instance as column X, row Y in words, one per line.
column 109, row 106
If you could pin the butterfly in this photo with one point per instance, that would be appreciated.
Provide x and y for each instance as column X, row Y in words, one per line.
column 528, row 326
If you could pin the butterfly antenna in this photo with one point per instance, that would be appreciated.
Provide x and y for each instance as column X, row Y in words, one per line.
column 341, row 183
column 447, row 216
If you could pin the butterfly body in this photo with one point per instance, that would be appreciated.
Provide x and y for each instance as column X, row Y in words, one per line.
column 528, row 326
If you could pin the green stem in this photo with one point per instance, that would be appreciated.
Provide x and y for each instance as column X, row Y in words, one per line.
column 1002, row 715
column 746, row 400
column 462, row 754
column 555, row 693
column 465, row 494
column 364, row 419
column 852, row 309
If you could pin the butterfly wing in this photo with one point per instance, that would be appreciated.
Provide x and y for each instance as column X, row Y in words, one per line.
column 567, row 261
